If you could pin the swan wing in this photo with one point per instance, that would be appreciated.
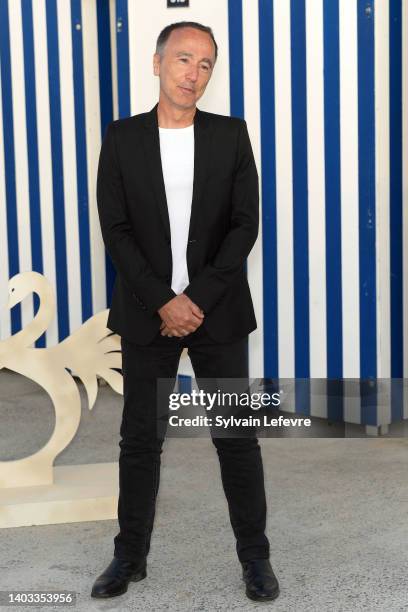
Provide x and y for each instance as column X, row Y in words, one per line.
column 92, row 350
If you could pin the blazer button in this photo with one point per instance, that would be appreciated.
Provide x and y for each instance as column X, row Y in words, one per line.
column 191, row 241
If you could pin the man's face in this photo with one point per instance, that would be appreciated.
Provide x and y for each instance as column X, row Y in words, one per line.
column 186, row 66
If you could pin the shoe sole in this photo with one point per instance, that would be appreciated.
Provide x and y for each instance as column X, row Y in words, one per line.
column 256, row 598
column 135, row 578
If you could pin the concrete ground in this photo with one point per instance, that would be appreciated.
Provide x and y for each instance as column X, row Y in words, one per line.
column 337, row 520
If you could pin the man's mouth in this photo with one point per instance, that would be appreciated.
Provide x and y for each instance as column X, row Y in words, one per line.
column 186, row 89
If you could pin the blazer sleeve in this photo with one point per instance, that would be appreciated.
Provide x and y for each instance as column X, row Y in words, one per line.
column 209, row 286
column 120, row 242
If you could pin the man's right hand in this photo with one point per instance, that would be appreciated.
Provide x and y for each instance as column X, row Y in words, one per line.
column 181, row 316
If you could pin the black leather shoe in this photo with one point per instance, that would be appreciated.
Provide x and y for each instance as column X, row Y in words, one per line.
column 115, row 579
column 261, row 582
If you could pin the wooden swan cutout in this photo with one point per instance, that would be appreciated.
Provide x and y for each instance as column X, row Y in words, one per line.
column 87, row 352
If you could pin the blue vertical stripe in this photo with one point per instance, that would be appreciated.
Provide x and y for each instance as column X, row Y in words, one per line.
column 81, row 165
column 367, row 233
column 396, row 219
column 9, row 155
column 32, row 148
column 57, row 169
column 106, row 104
column 334, row 314
column 122, row 45
column 268, row 187
column 300, row 197
column 104, row 64
column 396, row 214
column 236, row 72
column 184, row 383
column 236, row 63
column 332, row 189
column 300, row 205
column 366, row 166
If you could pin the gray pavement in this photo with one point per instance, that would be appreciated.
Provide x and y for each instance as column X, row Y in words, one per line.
column 337, row 520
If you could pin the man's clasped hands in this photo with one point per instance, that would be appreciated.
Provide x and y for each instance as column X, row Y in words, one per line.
column 180, row 316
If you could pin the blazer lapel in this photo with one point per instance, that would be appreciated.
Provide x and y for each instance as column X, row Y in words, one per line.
column 151, row 143
column 201, row 159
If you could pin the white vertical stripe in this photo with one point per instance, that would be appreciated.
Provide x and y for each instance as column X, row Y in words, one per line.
column 349, row 188
column 144, row 86
column 20, row 152
column 405, row 181
column 44, row 155
column 5, row 318
column 316, row 187
column 112, row 22
column 93, row 145
column 135, row 27
column 69, row 166
column 316, row 205
column 349, row 205
column 284, row 195
column 252, row 116
column 382, row 190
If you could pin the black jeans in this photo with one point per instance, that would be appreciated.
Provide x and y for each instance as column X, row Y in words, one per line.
column 140, row 448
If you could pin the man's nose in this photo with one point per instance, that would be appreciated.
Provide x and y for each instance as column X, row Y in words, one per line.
column 192, row 73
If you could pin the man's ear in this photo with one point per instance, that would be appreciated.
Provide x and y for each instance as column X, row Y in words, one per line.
column 156, row 64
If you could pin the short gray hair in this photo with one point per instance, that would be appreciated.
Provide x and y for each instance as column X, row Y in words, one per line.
column 165, row 33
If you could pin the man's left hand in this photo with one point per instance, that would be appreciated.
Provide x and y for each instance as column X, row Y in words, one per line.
column 165, row 331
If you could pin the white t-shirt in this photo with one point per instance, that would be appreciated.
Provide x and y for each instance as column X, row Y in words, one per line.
column 177, row 157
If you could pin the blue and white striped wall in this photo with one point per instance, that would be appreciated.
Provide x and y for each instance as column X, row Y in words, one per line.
column 56, row 98
column 320, row 85
column 323, row 87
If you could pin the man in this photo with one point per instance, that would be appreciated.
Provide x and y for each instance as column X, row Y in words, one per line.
column 177, row 193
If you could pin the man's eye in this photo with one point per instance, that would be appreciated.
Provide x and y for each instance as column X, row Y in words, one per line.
column 205, row 67
column 183, row 59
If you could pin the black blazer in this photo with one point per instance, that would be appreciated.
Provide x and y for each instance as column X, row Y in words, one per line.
column 136, row 229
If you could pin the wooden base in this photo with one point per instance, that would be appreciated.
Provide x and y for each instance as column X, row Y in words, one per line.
column 79, row 493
